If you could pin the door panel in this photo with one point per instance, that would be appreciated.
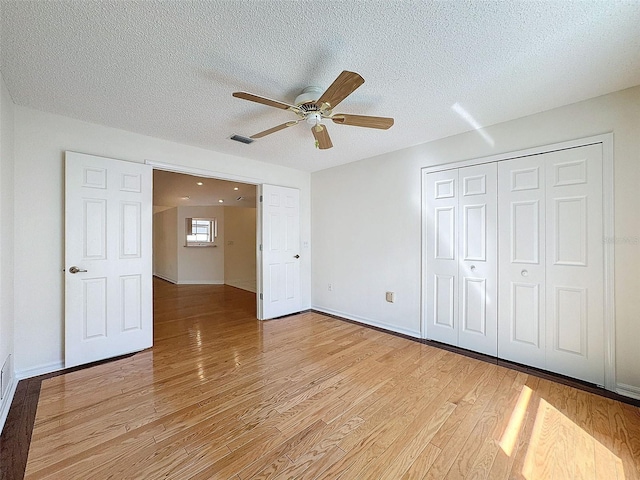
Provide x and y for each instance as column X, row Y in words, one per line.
column 280, row 252
column 521, row 299
column 108, row 303
column 525, row 314
column 475, row 232
column 94, row 313
column 474, row 306
column 441, row 308
column 444, row 233
column 525, row 232
column 477, row 269
column 130, row 230
column 570, row 231
column 571, row 320
column 574, row 267
column 444, row 300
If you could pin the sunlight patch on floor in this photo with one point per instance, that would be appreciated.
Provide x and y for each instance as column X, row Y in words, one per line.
column 558, row 448
column 512, row 432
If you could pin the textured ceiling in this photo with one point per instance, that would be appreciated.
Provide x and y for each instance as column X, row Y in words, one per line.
column 167, row 69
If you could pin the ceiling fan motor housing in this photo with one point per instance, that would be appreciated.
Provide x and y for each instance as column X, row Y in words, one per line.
column 308, row 95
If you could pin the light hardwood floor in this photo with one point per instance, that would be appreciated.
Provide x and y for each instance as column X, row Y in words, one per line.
column 222, row 395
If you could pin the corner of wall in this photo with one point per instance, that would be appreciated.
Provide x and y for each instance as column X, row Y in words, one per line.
column 7, row 342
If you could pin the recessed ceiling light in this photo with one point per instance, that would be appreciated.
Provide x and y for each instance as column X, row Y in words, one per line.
column 199, row 183
column 236, row 188
column 185, row 197
column 220, row 201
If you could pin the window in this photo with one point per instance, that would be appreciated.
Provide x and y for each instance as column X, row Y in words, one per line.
column 200, row 232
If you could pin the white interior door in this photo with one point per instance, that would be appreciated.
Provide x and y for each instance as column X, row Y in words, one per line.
column 108, row 258
column 575, row 263
column 477, row 264
column 521, row 291
column 280, row 266
column 441, row 309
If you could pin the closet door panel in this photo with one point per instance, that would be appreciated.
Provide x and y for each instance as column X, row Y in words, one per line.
column 521, row 298
column 441, row 309
column 575, row 276
column 477, row 267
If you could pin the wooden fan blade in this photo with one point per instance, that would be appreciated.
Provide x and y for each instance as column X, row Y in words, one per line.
column 363, row 121
column 265, row 101
column 341, row 88
column 274, row 129
column 322, row 136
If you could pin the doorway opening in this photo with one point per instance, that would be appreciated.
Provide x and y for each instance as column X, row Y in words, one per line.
column 204, row 235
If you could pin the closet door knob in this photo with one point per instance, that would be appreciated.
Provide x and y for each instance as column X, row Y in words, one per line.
column 524, row 273
column 473, row 268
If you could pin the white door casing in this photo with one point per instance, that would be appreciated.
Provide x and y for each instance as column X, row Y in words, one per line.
column 521, row 291
column 280, row 266
column 108, row 227
column 477, row 264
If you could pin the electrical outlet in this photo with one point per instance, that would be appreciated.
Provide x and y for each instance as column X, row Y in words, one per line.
column 391, row 297
column 330, row 287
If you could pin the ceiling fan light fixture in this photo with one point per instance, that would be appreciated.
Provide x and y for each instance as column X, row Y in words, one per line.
column 313, row 118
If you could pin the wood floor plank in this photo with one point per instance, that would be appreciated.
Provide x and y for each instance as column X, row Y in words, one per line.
column 515, row 433
column 456, row 439
column 221, row 395
column 623, row 440
column 510, row 463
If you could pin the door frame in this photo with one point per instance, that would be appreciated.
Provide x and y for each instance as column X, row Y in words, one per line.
column 169, row 167
column 608, row 224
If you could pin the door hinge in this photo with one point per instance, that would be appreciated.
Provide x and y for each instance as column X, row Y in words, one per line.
column 260, row 198
column 260, row 296
column 260, row 247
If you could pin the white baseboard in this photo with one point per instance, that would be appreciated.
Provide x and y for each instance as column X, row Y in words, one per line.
column 628, row 390
column 170, row 280
column 200, row 282
column 6, row 401
column 39, row 370
column 248, row 285
column 368, row 321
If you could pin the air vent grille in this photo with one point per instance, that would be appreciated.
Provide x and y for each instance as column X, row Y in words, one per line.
column 241, row 139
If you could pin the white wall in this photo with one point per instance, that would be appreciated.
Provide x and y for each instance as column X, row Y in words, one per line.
column 165, row 244
column 232, row 261
column 200, row 265
column 366, row 226
column 240, row 247
column 6, row 238
column 40, row 141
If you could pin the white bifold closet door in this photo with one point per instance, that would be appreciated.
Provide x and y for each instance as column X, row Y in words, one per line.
column 551, row 290
column 462, row 257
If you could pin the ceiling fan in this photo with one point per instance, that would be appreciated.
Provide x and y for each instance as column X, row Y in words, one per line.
column 313, row 106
